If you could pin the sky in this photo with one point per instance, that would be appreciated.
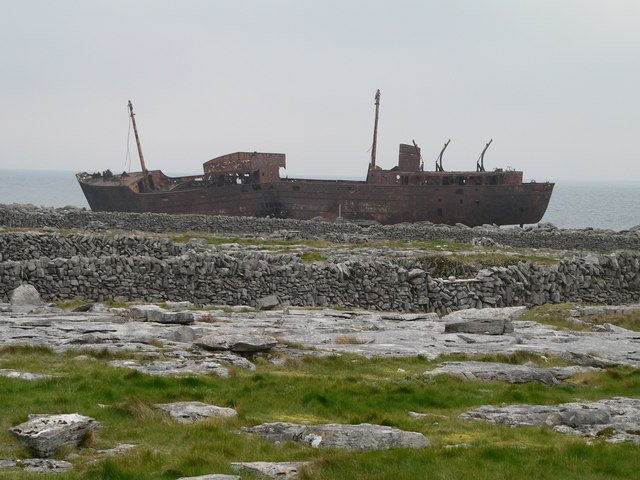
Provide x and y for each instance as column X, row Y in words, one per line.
column 553, row 83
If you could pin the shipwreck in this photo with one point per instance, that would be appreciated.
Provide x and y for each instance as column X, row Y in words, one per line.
column 249, row 184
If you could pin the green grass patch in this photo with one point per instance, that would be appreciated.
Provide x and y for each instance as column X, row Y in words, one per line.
column 559, row 316
column 346, row 388
column 467, row 265
column 628, row 321
column 217, row 240
column 556, row 315
column 312, row 256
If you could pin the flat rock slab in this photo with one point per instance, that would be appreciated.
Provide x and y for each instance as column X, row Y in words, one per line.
column 23, row 375
column 213, row 476
column 505, row 372
column 25, row 299
column 284, row 470
column 487, row 321
column 45, row 434
column 236, row 343
column 40, row 465
column 189, row 412
column 153, row 313
column 362, row 437
column 170, row 367
column 118, row 450
column 616, row 419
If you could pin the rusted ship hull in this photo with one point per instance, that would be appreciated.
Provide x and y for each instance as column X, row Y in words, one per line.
column 249, row 184
column 305, row 199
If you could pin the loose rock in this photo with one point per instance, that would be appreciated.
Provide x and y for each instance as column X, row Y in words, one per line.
column 178, row 367
column 488, row 321
column 45, row 434
column 236, row 343
column 360, row 437
column 268, row 302
column 25, row 299
column 189, row 412
column 285, row 470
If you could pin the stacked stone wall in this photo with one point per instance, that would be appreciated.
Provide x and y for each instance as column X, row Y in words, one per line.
column 543, row 236
column 134, row 268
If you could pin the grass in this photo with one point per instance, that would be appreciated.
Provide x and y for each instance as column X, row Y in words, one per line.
column 556, row 315
column 349, row 340
column 312, row 256
column 216, row 240
column 467, row 265
column 630, row 321
column 559, row 316
column 344, row 388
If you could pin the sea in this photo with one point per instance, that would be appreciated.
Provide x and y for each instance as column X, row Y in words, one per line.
column 574, row 204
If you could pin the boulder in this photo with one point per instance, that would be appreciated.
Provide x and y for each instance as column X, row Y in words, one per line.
column 268, row 302
column 284, row 470
column 505, row 372
column 362, row 437
column 45, row 434
column 488, row 321
column 25, row 299
column 236, row 343
column 189, row 412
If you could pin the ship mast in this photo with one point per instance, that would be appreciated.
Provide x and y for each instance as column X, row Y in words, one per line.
column 135, row 130
column 375, row 131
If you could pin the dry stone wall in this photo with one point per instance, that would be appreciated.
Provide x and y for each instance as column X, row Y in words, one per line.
column 134, row 268
column 541, row 236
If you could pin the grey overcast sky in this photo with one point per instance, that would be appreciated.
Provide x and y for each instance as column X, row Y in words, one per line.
column 553, row 82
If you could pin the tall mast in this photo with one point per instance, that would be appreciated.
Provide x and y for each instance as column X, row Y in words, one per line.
column 375, row 131
column 135, row 130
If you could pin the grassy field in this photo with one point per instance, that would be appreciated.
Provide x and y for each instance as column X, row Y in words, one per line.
column 347, row 389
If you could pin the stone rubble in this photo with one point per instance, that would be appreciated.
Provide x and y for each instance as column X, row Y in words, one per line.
column 504, row 372
column 45, row 434
column 616, row 419
column 189, row 412
column 362, row 437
